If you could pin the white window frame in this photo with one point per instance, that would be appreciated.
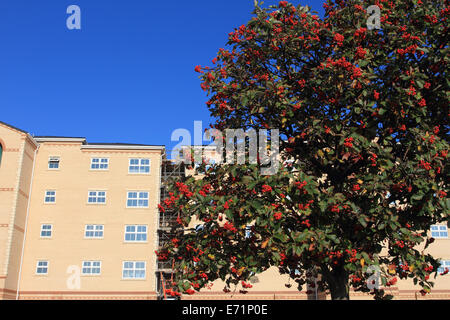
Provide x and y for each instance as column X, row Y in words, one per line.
column 96, row 196
column 91, row 267
column 139, row 165
column 46, row 230
column 100, row 163
column 439, row 229
column 94, row 230
column 444, row 264
column 136, row 233
column 134, row 270
column 138, row 199
column 54, row 159
column 47, row 196
column 46, row 267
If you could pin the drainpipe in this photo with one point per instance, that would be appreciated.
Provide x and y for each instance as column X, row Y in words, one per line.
column 163, row 154
column 26, row 222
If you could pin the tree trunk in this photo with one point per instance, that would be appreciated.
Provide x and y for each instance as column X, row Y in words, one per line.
column 338, row 284
column 340, row 291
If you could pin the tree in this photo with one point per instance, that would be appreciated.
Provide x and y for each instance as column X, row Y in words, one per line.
column 364, row 114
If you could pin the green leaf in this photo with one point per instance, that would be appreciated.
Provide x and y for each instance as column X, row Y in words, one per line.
column 417, row 196
column 362, row 221
column 363, row 63
column 323, row 204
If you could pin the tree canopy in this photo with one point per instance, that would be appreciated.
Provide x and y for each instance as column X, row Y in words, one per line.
column 364, row 117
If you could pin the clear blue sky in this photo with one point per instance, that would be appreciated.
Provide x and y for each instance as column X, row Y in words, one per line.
column 126, row 76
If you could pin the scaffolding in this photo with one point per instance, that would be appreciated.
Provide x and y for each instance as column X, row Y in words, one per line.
column 170, row 172
column 172, row 169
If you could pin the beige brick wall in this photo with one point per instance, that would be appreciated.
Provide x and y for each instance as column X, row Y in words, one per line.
column 70, row 214
column 15, row 179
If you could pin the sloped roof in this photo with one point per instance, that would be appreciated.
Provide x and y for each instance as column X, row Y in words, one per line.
column 40, row 139
column 12, row 127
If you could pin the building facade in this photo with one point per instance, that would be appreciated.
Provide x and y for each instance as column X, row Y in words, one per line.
column 80, row 220
column 77, row 220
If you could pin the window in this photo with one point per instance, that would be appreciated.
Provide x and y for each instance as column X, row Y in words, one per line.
column 199, row 228
column 53, row 163
column 137, row 199
column 91, row 267
column 50, row 196
column 99, row 163
column 136, row 233
column 289, row 163
column 46, row 231
column 42, row 267
column 93, row 231
column 211, row 163
column 139, row 166
column 439, row 232
column 248, row 232
column 445, row 264
column 133, row 270
column 1, row 153
column 97, row 197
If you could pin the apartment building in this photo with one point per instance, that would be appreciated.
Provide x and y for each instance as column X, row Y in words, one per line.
column 79, row 220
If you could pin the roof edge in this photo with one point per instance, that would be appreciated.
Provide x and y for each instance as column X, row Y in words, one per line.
column 121, row 147
column 59, row 139
column 12, row 127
